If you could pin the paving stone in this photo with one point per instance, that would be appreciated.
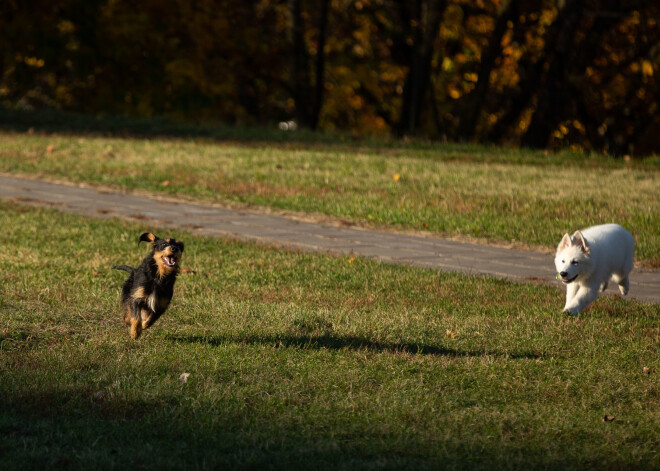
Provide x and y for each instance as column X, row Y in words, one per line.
column 392, row 247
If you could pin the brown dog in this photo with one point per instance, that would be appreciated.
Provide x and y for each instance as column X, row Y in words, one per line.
column 147, row 292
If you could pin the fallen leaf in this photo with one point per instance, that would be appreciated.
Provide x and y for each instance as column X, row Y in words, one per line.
column 165, row 183
column 646, row 370
column 50, row 148
column 608, row 418
column 97, row 273
column 98, row 396
column 396, row 177
column 184, row 377
column 188, row 270
column 451, row 334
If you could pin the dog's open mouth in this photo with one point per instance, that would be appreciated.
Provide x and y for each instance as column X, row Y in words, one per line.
column 567, row 280
column 169, row 260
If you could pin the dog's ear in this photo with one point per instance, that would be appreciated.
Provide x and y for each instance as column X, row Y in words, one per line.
column 579, row 242
column 565, row 242
column 148, row 237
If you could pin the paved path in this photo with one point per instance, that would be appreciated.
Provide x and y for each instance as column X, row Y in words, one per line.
column 418, row 250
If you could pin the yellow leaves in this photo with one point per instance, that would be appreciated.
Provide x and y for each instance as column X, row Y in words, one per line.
column 34, row 62
column 396, row 177
column 647, row 68
column 471, row 77
column 451, row 334
column 452, row 26
column 566, row 127
column 63, row 94
column 66, row 27
column 454, row 93
column 462, row 58
column 580, row 128
column 359, row 50
column 355, row 101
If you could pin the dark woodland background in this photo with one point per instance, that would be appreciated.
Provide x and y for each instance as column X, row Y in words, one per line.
column 535, row 73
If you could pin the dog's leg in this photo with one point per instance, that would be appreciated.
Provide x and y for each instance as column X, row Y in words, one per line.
column 585, row 296
column 153, row 316
column 603, row 287
column 150, row 321
column 148, row 317
column 127, row 314
column 571, row 291
column 623, row 282
column 624, row 286
column 136, row 328
column 134, row 319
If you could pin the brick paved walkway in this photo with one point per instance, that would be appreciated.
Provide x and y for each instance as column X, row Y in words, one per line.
column 418, row 250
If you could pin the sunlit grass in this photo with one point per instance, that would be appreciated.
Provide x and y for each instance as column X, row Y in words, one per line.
column 300, row 360
column 459, row 191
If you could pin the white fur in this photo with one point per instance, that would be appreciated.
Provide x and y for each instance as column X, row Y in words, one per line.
column 151, row 301
column 587, row 260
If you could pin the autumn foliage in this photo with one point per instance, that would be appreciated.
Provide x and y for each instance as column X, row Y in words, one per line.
column 538, row 73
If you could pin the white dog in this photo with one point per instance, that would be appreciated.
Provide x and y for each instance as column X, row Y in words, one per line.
column 587, row 261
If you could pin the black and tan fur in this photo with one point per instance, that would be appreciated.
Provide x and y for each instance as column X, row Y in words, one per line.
column 147, row 292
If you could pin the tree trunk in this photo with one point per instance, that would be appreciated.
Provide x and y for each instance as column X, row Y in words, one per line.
column 554, row 94
column 308, row 96
column 424, row 29
column 474, row 102
column 300, row 80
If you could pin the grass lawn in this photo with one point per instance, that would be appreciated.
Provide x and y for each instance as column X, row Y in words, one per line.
column 491, row 194
column 302, row 361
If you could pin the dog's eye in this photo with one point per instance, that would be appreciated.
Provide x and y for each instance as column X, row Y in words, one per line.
column 574, row 262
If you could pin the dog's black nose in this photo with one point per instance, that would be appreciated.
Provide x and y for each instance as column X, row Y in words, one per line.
column 563, row 274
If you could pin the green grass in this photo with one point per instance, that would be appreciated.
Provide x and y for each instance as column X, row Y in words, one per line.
column 302, row 361
column 467, row 191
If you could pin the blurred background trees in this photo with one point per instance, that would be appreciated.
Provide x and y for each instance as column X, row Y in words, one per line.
column 538, row 73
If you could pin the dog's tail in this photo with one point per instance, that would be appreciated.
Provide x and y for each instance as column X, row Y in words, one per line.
column 125, row 268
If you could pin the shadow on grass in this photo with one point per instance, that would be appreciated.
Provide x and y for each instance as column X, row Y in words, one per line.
column 334, row 342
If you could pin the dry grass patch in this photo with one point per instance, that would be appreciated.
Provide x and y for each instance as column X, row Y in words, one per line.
column 488, row 194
